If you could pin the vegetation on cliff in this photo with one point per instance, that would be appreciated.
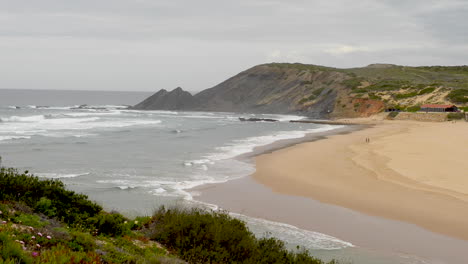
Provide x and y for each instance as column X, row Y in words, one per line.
column 42, row 222
column 319, row 91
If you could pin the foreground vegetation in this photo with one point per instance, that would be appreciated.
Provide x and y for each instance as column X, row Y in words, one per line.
column 42, row 222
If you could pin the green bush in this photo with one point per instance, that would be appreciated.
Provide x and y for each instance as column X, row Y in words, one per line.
column 404, row 96
column 455, row 116
column 30, row 220
column 374, row 96
column 46, row 196
column 458, row 96
column 353, row 83
column 413, row 108
column 81, row 242
column 426, row 91
column 388, row 85
column 212, row 237
column 45, row 206
column 11, row 251
column 317, row 92
column 63, row 255
column 112, row 224
column 393, row 114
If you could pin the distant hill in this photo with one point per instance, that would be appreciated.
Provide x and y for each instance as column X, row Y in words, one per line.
column 322, row 92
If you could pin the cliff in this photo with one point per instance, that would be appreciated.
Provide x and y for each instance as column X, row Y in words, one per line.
column 322, row 92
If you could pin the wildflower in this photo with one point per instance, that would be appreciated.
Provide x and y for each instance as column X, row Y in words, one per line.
column 38, row 246
column 21, row 242
column 4, row 222
column 33, row 237
column 39, row 234
column 35, row 254
column 1, row 212
column 24, row 248
column 125, row 222
column 136, row 222
column 48, row 237
column 31, row 228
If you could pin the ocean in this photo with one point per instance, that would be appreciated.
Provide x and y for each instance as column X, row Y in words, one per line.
column 136, row 161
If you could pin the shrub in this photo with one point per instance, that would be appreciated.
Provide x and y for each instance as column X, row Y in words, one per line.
column 112, row 224
column 374, row 96
column 30, row 220
column 426, row 91
column 388, row 85
column 318, row 92
column 81, row 242
column 62, row 254
column 214, row 237
column 406, row 95
column 44, row 206
column 11, row 251
column 46, row 196
column 203, row 237
column 392, row 114
column 455, row 116
column 458, row 96
column 413, row 108
column 353, row 83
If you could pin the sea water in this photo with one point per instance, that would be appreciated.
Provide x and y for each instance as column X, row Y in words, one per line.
column 136, row 161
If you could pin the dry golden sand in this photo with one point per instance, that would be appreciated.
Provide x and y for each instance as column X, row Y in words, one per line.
column 410, row 171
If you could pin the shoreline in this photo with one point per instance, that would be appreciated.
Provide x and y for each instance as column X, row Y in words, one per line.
column 342, row 168
column 283, row 188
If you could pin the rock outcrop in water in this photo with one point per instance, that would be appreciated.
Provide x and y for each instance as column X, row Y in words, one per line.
column 317, row 91
column 176, row 99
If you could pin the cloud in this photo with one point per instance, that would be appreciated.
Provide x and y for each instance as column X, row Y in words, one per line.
column 345, row 49
column 153, row 44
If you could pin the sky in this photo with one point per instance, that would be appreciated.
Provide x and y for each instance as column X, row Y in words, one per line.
column 143, row 45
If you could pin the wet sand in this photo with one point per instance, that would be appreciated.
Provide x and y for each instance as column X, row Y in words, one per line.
column 397, row 198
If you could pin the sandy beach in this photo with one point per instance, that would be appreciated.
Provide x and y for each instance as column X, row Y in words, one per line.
column 405, row 192
column 413, row 172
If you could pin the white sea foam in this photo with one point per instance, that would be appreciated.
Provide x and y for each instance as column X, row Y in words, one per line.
column 60, row 175
column 34, row 118
column 290, row 234
column 242, row 146
column 5, row 138
column 59, row 125
column 294, row 235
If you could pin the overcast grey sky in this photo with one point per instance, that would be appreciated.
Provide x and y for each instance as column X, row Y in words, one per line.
column 143, row 45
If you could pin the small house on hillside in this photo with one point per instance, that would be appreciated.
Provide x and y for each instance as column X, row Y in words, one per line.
column 438, row 108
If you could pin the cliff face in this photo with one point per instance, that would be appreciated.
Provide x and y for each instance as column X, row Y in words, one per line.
column 261, row 89
column 319, row 92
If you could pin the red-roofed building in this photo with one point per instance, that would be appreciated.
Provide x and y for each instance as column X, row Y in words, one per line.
column 438, row 108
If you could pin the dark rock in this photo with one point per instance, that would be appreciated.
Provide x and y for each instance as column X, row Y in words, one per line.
column 176, row 99
column 253, row 119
